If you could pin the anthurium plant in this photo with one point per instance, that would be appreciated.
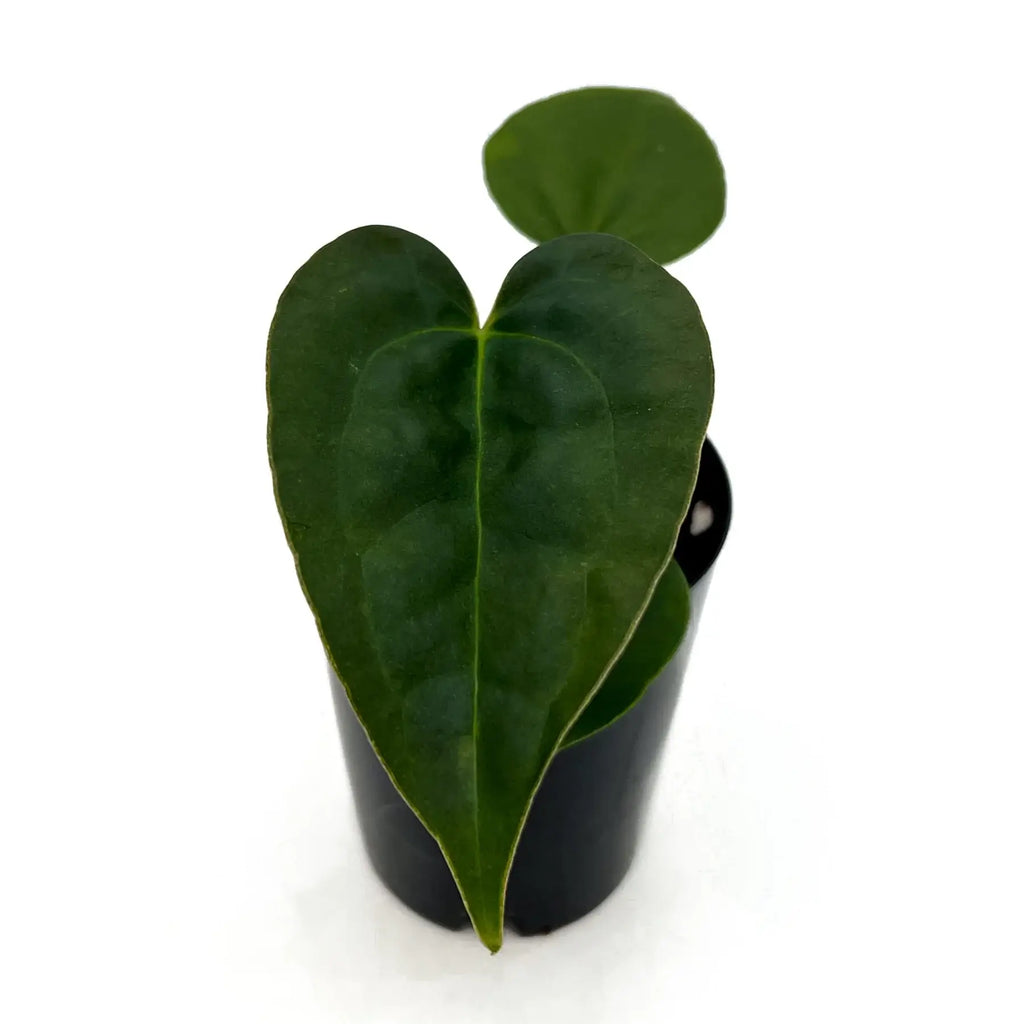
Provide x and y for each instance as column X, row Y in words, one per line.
column 483, row 510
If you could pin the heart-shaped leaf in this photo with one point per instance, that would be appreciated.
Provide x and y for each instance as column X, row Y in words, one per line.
column 627, row 161
column 479, row 515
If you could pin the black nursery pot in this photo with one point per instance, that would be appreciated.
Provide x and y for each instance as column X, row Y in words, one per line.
column 582, row 830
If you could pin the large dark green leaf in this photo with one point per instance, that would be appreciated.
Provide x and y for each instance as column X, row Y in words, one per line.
column 626, row 161
column 656, row 638
column 479, row 514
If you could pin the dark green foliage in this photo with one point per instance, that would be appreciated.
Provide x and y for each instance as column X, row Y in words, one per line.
column 626, row 161
column 480, row 514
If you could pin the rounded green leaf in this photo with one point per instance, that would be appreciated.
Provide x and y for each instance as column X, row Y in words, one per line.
column 656, row 639
column 479, row 514
column 629, row 162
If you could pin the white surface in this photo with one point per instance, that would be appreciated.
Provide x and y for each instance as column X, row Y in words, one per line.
column 837, row 833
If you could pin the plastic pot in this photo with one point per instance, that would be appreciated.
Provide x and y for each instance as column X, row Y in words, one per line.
column 583, row 827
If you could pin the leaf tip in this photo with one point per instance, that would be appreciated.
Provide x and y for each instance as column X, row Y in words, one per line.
column 489, row 927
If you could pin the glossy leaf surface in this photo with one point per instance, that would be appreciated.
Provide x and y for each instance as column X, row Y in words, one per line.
column 479, row 514
column 657, row 637
column 625, row 161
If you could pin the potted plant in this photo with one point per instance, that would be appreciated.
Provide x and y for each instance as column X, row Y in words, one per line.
column 484, row 511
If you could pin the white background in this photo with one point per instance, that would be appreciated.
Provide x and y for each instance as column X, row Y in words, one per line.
column 838, row 829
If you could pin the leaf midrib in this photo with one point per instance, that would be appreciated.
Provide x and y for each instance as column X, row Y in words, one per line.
column 481, row 343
